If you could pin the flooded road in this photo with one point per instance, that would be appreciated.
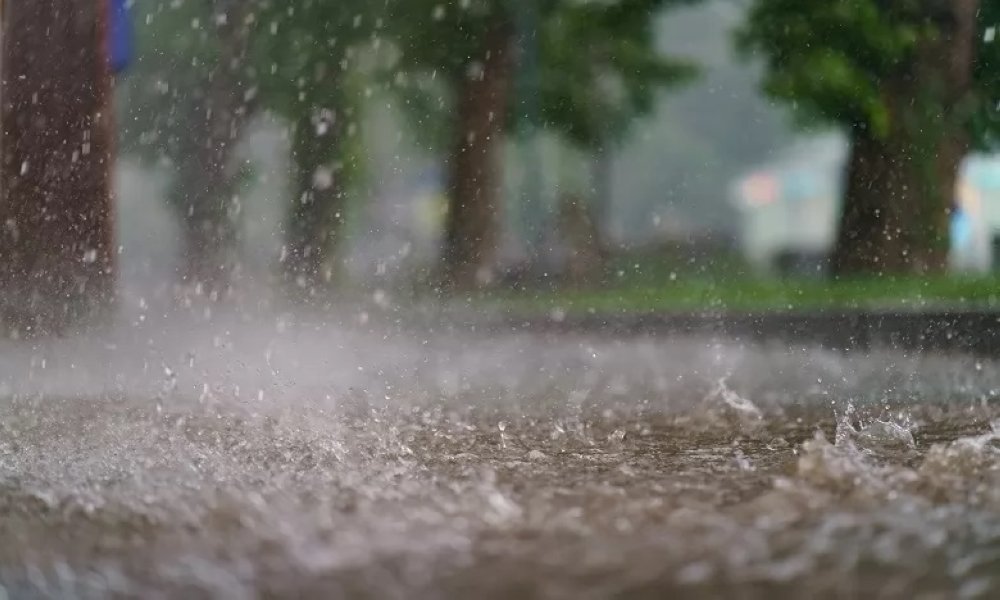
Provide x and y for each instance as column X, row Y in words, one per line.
column 297, row 459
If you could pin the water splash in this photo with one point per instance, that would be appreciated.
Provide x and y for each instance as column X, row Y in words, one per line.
column 873, row 435
column 743, row 406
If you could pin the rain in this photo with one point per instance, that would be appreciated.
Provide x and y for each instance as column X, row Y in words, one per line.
column 499, row 299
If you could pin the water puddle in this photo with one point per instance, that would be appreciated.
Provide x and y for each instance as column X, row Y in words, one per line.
column 348, row 463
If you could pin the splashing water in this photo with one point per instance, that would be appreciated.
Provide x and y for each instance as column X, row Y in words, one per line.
column 741, row 405
column 440, row 465
column 873, row 433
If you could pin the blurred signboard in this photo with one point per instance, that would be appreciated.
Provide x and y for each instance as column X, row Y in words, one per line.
column 761, row 189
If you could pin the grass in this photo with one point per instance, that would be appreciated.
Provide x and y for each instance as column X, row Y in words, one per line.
column 635, row 285
column 666, row 280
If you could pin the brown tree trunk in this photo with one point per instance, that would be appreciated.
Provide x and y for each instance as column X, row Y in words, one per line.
column 901, row 186
column 209, row 235
column 207, row 183
column 473, row 172
column 316, row 214
column 898, row 201
column 579, row 232
column 881, row 196
column 602, row 168
column 57, row 256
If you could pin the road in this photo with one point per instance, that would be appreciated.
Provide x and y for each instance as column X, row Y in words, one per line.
column 274, row 457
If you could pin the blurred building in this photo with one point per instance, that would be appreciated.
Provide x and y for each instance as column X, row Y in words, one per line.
column 789, row 209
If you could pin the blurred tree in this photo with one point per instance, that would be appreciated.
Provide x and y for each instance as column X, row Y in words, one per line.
column 598, row 70
column 903, row 79
column 593, row 92
column 57, row 255
column 985, row 104
column 207, row 68
column 308, row 53
column 469, row 46
column 188, row 102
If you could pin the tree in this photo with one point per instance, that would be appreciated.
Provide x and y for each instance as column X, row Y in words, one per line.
column 907, row 83
column 593, row 96
column 190, row 99
column 472, row 47
column 57, row 253
column 469, row 46
column 307, row 54
column 985, row 105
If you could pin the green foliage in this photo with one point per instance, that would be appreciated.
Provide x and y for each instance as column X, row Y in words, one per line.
column 832, row 60
column 437, row 44
column 298, row 57
column 598, row 68
column 307, row 56
column 986, row 101
column 162, row 91
column 302, row 62
column 445, row 37
column 302, row 51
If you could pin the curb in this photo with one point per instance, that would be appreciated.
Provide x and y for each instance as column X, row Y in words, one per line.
column 973, row 332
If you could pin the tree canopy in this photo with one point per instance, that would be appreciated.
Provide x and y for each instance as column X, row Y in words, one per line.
column 986, row 101
column 832, row 60
column 600, row 69
column 597, row 65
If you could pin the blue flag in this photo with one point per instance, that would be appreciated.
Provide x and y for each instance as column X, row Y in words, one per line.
column 120, row 45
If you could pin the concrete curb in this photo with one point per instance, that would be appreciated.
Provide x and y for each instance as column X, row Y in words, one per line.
column 974, row 332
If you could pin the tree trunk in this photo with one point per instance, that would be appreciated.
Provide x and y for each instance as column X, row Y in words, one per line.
column 317, row 213
column 900, row 187
column 880, row 229
column 57, row 256
column 207, row 183
column 209, row 235
column 578, row 232
column 473, row 179
column 897, row 205
column 602, row 171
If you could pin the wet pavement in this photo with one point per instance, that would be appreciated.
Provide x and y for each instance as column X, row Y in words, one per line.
column 277, row 458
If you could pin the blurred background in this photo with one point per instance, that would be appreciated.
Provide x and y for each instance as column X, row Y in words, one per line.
column 499, row 298
column 623, row 155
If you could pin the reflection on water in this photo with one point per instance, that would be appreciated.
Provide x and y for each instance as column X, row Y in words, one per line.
column 235, row 461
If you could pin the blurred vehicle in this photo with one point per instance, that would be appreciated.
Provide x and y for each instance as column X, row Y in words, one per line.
column 789, row 210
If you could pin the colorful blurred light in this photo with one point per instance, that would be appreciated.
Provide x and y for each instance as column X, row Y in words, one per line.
column 761, row 189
